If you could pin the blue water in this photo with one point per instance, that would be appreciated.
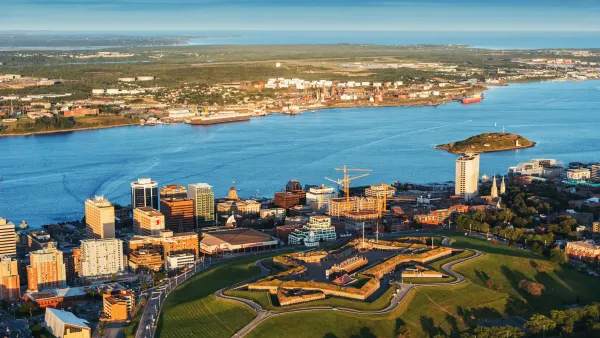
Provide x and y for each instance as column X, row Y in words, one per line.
column 48, row 177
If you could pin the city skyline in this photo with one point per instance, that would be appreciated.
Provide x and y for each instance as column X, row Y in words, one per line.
column 464, row 15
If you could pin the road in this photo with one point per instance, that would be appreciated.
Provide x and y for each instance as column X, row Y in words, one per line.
column 396, row 299
column 19, row 326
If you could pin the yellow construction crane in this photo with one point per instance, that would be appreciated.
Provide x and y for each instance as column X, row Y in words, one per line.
column 346, row 180
column 383, row 199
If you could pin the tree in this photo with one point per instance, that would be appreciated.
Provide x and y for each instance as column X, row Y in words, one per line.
column 497, row 332
column 558, row 256
column 506, row 215
column 403, row 332
column 539, row 323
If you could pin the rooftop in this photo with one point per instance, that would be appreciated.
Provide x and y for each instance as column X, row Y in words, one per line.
column 69, row 318
column 235, row 237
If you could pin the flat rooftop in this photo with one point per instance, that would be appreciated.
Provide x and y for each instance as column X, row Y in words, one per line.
column 235, row 237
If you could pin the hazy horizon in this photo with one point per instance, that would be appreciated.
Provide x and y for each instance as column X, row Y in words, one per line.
column 348, row 15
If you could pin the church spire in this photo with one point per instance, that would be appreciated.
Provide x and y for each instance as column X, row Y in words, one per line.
column 494, row 188
column 502, row 186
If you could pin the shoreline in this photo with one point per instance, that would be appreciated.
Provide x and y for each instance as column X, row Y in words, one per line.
column 343, row 105
column 488, row 151
column 63, row 131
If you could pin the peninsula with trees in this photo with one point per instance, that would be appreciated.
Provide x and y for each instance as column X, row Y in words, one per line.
column 487, row 142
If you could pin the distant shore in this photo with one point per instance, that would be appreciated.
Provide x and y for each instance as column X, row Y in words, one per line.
column 62, row 131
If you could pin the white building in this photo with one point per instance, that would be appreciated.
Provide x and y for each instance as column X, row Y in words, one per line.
column 8, row 245
column 318, row 228
column 380, row 190
column 174, row 262
column 578, row 174
column 204, row 202
column 278, row 213
column 101, row 257
column 534, row 167
column 66, row 324
column 180, row 113
column 317, row 198
column 467, row 176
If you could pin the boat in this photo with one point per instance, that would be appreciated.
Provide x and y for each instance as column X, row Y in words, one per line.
column 472, row 99
column 221, row 117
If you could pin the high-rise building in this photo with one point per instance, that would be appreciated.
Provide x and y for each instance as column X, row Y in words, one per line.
column 204, row 202
column 37, row 240
column 99, row 218
column 144, row 193
column 46, row 270
column 318, row 197
column 8, row 244
column 101, row 257
column 173, row 191
column 595, row 171
column 9, row 278
column 147, row 221
column 467, row 176
column 179, row 214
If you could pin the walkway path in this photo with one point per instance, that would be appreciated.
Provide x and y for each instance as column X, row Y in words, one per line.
column 398, row 297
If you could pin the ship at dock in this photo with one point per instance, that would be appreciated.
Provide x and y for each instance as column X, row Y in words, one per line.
column 220, row 117
column 472, row 99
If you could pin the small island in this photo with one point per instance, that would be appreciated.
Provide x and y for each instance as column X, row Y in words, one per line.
column 487, row 142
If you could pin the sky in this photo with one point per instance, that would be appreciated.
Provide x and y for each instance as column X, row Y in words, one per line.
column 350, row 15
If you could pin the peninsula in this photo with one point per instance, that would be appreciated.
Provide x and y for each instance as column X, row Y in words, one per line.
column 487, row 142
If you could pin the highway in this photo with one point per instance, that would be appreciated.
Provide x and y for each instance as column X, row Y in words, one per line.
column 396, row 299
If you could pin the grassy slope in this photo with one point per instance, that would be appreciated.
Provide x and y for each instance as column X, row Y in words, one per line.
column 452, row 309
column 193, row 307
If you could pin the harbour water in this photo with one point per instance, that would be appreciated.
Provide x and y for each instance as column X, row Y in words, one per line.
column 48, row 177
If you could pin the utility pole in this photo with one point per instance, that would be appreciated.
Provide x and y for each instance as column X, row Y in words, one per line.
column 363, row 235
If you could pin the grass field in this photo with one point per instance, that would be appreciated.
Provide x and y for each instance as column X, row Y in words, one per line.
column 450, row 310
column 193, row 308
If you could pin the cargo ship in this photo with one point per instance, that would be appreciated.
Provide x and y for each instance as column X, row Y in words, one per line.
column 472, row 99
column 222, row 117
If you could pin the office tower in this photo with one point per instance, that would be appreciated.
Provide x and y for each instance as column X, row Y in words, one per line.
column 8, row 243
column 173, row 191
column 9, row 278
column 147, row 221
column 46, row 270
column 99, row 218
column 101, row 257
column 467, row 176
column 179, row 214
column 318, row 198
column 144, row 193
column 204, row 202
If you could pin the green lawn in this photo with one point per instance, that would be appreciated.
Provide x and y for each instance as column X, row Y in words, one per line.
column 193, row 308
column 450, row 310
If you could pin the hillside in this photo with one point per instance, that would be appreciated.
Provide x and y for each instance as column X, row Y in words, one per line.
column 487, row 142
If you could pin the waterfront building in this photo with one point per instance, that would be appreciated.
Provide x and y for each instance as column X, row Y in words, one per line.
column 535, row 167
column 380, row 190
column 10, row 287
column 46, row 270
column 144, row 193
column 179, row 214
column 583, row 250
column 467, row 176
column 318, row 198
column 147, row 221
column 204, row 203
column 101, row 257
column 167, row 243
column 118, row 305
column 8, row 244
column 173, row 191
column 236, row 240
column 595, row 171
column 99, row 218
column 318, row 229
column 179, row 261
column 578, row 174
column 65, row 324
column 38, row 240
column 146, row 260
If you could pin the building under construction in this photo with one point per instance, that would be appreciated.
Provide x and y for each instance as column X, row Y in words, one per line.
column 340, row 207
